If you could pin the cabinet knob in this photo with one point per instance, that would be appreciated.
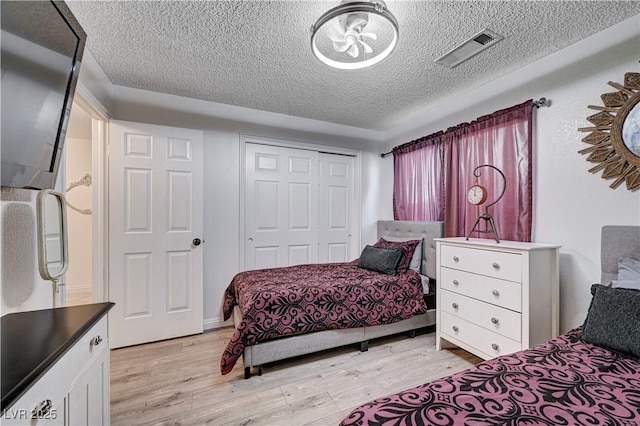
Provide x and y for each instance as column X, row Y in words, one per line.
column 495, row 320
column 455, row 328
column 495, row 346
column 96, row 340
column 42, row 409
column 496, row 293
column 456, row 258
column 454, row 305
column 496, row 265
column 455, row 282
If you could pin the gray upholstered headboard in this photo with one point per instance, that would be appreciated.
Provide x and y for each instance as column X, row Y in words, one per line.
column 617, row 242
column 409, row 230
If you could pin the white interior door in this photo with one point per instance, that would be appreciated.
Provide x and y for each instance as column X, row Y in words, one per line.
column 155, row 217
column 281, row 206
column 336, row 208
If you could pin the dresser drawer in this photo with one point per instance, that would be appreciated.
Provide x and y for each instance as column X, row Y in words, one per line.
column 487, row 342
column 498, row 292
column 493, row 318
column 497, row 264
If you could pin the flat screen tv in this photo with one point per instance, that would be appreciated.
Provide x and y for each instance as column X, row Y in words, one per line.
column 42, row 46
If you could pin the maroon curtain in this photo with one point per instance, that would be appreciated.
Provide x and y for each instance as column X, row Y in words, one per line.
column 502, row 139
column 417, row 180
column 432, row 174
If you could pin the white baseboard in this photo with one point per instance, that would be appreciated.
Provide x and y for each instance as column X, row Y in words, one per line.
column 213, row 323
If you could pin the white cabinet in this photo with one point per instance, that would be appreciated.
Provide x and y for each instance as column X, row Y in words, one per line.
column 496, row 298
column 74, row 391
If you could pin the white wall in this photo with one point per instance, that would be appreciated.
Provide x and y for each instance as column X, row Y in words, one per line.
column 78, row 156
column 570, row 204
column 222, row 138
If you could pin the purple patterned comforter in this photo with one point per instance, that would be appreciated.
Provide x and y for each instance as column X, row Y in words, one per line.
column 562, row 382
column 306, row 298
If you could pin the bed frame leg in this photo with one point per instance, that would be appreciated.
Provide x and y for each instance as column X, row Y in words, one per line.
column 364, row 346
column 247, row 372
column 259, row 370
column 411, row 333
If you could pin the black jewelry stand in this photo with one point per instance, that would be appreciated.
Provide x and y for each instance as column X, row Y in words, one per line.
column 489, row 224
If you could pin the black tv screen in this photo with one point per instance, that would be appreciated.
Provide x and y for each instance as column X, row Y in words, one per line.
column 42, row 46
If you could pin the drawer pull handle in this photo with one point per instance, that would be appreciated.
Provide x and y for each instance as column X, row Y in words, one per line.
column 456, row 259
column 455, row 328
column 496, row 265
column 496, row 293
column 495, row 320
column 455, row 282
column 495, row 346
column 454, row 305
column 96, row 340
column 43, row 408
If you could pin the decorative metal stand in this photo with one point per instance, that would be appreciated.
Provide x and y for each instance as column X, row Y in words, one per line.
column 489, row 224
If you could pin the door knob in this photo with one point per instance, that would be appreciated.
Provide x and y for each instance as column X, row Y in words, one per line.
column 197, row 242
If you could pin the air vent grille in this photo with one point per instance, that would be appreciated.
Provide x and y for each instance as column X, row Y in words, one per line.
column 476, row 44
column 483, row 38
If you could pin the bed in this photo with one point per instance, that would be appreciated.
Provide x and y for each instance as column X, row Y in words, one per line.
column 268, row 329
column 587, row 376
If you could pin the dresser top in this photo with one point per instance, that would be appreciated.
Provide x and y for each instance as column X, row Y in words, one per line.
column 33, row 341
column 492, row 244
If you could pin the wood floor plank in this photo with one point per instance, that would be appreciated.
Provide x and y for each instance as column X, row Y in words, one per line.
column 178, row 382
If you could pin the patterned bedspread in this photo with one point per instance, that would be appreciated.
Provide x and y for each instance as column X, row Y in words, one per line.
column 306, row 298
column 562, row 382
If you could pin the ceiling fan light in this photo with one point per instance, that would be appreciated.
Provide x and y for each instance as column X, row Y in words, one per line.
column 373, row 28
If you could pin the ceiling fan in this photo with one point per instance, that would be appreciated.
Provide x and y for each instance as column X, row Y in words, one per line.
column 355, row 34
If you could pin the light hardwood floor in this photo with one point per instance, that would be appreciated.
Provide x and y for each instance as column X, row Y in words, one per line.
column 179, row 382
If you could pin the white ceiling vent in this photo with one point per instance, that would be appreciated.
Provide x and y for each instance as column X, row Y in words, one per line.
column 476, row 44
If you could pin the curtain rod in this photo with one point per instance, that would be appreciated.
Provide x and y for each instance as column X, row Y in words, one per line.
column 540, row 102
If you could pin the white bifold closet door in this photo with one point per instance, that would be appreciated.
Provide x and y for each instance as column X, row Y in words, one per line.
column 298, row 206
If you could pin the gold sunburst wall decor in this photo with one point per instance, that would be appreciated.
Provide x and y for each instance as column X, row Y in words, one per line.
column 614, row 138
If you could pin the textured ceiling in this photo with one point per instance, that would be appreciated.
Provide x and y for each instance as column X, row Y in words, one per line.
column 257, row 54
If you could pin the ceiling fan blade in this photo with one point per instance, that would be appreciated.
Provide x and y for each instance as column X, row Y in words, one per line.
column 372, row 36
column 365, row 46
column 356, row 24
column 341, row 47
column 353, row 50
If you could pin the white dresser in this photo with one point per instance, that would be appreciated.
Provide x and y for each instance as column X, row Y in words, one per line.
column 495, row 298
column 55, row 366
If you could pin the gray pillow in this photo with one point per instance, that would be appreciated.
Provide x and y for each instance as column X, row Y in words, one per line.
column 379, row 259
column 613, row 318
column 416, row 260
column 625, row 284
column 628, row 269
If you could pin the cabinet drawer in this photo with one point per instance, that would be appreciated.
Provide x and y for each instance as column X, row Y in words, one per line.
column 498, row 292
column 90, row 344
column 485, row 341
column 506, row 266
column 493, row 318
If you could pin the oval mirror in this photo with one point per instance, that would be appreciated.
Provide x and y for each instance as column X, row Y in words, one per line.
column 53, row 256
